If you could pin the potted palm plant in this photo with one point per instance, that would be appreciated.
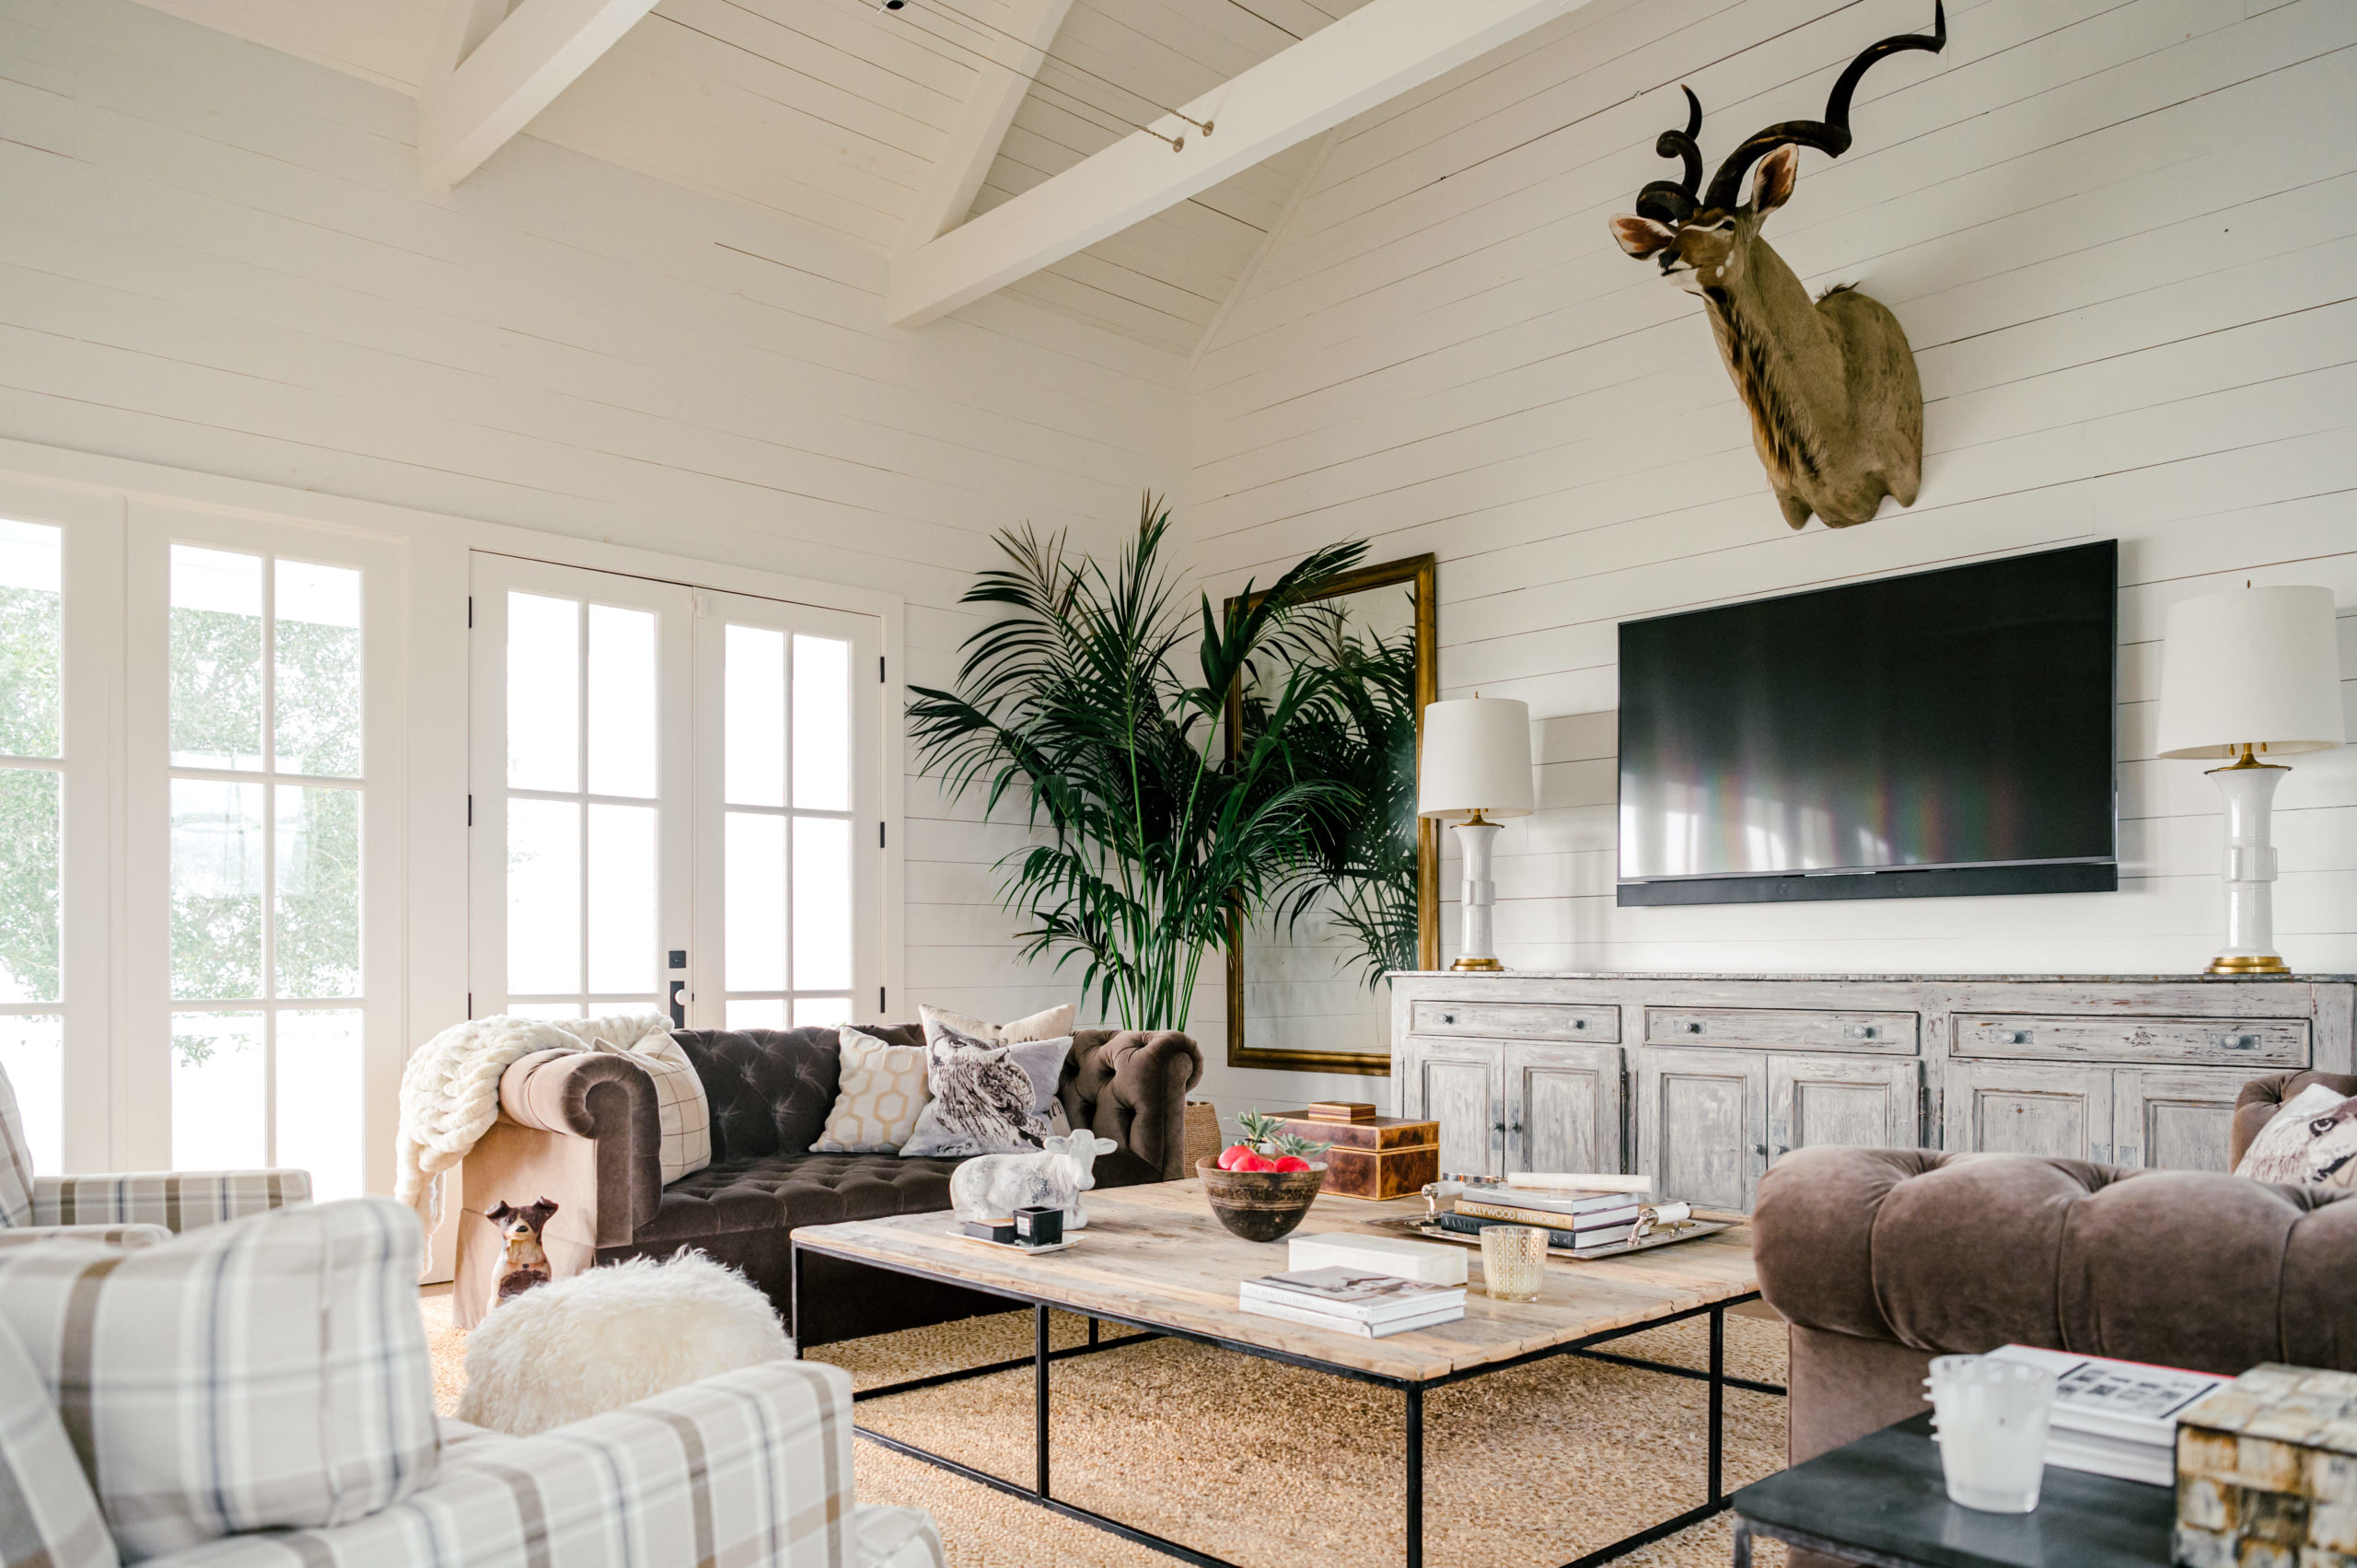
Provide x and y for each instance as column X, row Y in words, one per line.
column 1074, row 703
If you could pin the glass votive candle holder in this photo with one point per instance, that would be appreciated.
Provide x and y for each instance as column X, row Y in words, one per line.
column 1513, row 1261
column 1992, row 1416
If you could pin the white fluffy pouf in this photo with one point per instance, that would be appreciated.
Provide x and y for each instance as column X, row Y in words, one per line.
column 610, row 1337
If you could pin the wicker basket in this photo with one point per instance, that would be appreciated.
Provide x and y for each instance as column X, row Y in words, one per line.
column 1203, row 1141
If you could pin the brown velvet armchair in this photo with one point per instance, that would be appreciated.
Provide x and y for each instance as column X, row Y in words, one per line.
column 1882, row 1258
column 580, row 1128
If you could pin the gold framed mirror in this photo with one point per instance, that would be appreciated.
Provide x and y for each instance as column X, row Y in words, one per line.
column 1306, row 986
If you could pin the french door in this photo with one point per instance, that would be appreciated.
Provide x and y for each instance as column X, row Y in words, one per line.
column 675, row 802
column 265, row 719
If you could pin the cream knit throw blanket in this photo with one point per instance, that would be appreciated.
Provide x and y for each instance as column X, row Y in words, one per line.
column 450, row 1089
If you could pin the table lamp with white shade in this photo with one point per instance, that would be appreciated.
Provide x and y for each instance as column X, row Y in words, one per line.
column 2250, row 673
column 1474, row 769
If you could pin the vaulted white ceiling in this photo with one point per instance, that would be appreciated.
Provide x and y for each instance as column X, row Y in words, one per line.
column 836, row 110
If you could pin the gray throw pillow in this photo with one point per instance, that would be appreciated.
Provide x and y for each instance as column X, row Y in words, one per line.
column 984, row 1102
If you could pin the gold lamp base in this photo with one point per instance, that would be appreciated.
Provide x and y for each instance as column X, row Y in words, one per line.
column 1483, row 964
column 2262, row 963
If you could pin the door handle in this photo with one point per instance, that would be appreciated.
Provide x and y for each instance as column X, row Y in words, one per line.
column 678, row 1010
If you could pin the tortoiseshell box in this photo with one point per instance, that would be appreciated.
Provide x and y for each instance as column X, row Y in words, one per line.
column 2267, row 1472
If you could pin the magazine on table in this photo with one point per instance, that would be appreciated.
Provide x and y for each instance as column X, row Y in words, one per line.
column 1358, row 1294
column 2122, row 1399
column 1380, row 1328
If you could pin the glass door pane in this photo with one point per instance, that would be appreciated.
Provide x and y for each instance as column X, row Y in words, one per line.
column 796, row 818
column 580, row 851
column 264, row 803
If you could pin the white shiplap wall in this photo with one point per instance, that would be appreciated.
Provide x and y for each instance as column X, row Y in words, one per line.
column 2122, row 238
column 217, row 257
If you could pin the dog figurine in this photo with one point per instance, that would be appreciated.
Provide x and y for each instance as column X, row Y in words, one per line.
column 526, row 1264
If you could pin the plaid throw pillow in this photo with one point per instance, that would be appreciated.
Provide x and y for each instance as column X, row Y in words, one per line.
column 15, row 1164
column 268, row 1372
column 47, row 1515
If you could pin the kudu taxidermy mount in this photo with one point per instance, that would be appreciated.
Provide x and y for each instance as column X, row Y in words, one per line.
column 1836, row 412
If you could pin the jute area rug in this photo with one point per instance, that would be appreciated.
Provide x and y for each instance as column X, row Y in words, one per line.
column 1271, row 1466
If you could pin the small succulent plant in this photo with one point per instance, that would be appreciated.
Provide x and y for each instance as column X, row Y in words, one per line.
column 1267, row 1147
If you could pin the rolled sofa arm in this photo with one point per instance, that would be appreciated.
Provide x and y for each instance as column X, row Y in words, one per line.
column 177, row 1199
column 752, row 1466
column 579, row 1128
column 2262, row 1097
column 1131, row 1086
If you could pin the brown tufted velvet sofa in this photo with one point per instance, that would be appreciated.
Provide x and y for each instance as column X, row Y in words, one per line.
column 1882, row 1258
column 580, row 1127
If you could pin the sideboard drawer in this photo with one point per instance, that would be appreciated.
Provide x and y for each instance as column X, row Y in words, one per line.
column 1594, row 1022
column 2228, row 1042
column 1782, row 1029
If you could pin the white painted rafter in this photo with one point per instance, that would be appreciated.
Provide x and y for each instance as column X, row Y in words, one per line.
column 1376, row 52
column 998, row 91
column 493, row 69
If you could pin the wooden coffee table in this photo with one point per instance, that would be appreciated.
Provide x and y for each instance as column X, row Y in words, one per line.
column 1155, row 1259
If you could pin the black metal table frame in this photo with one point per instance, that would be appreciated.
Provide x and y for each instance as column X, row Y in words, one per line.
column 1042, row 1357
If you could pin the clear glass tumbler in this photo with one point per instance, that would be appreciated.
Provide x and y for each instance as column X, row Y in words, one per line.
column 1991, row 1418
column 1513, row 1261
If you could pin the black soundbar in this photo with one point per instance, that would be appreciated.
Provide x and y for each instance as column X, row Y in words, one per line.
column 2073, row 877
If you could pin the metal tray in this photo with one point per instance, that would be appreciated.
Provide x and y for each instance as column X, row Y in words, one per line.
column 1687, row 1230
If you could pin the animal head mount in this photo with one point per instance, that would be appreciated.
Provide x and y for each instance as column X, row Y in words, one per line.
column 1837, row 411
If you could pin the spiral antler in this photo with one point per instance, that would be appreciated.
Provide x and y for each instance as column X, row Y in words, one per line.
column 1829, row 135
column 1674, row 201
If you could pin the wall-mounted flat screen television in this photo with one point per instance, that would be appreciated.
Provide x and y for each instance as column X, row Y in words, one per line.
column 1946, row 732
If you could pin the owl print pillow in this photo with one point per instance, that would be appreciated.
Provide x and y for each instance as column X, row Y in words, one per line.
column 2312, row 1142
column 984, row 1102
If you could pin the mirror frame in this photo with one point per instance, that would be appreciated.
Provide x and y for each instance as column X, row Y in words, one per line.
column 1422, row 571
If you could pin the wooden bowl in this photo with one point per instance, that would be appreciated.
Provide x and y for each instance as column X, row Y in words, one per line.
column 1260, row 1205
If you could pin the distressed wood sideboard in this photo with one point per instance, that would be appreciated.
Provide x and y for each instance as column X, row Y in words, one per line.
column 1702, row 1082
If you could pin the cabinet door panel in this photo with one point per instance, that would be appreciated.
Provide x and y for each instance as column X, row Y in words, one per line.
column 2023, row 1108
column 1816, row 1100
column 1702, row 1128
column 1463, row 1089
column 1563, row 1108
column 2174, row 1118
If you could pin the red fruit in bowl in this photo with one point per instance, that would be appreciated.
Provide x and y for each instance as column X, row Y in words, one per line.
column 1252, row 1161
column 1291, row 1162
column 1230, row 1155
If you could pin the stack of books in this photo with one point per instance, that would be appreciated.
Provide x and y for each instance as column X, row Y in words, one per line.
column 1353, row 1301
column 1578, row 1221
column 2114, row 1417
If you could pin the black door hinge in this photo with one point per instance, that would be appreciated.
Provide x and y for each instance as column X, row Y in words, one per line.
column 879, row 999
column 879, row 669
column 879, row 835
column 471, row 612
column 471, row 811
column 470, row 1004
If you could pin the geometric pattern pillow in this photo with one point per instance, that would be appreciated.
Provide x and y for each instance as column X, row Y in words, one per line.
column 2311, row 1142
column 47, row 1515
column 268, row 1372
column 883, row 1091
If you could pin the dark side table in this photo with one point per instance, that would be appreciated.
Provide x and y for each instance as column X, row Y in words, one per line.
column 1881, row 1502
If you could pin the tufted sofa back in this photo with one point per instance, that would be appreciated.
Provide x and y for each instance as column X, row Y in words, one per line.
column 1960, row 1253
column 770, row 1091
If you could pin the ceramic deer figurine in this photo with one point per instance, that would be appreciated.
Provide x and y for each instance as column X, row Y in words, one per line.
column 1836, row 412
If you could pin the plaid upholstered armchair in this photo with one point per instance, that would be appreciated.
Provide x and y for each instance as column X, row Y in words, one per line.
column 132, row 1210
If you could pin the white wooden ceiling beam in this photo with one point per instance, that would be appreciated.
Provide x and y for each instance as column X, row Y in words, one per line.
column 493, row 70
column 1376, row 52
column 998, row 91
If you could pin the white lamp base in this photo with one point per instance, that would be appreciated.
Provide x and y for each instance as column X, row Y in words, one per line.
column 1479, row 950
column 2249, row 789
